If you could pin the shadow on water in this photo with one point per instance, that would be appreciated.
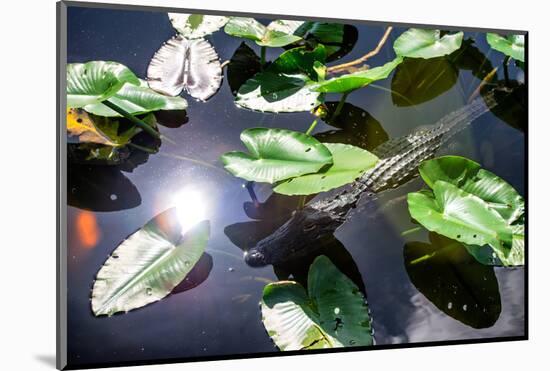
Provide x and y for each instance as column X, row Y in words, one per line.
column 172, row 119
column 357, row 127
column 511, row 108
column 244, row 64
column 454, row 281
column 198, row 274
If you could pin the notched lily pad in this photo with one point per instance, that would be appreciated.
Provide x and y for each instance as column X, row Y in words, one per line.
column 420, row 43
column 194, row 26
column 275, row 155
column 332, row 313
column 349, row 163
column 181, row 64
column 146, row 266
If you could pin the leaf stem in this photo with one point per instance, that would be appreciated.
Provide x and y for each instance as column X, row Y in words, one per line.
column 132, row 118
column 262, row 56
column 142, row 148
column 340, row 105
column 311, row 127
column 372, row 53
column 505, row 65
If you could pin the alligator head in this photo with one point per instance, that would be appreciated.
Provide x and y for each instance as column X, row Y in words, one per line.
column 299, row 236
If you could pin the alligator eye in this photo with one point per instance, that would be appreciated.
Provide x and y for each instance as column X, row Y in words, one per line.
column 309, row 227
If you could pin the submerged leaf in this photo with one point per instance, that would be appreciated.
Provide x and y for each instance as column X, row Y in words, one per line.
column 195, row 26
column 180, row 64
column 420, row 43
column 419, row 80
column 146, row 266
column 275, row 155
column 511, row 45
column 349, row 163
column 353, row 81
column 333, row 313
column 95, row 81
column 470, row 177
column 453, row 281
column 137, row 100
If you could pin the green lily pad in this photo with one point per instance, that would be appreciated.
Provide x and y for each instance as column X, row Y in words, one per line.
column 349, row 163
column 96, row 81
column 462, row 216
column 278, row 33
column 195, row 26
column 420, row 43
column 148, row 265
column 276, row 155
column 514, row 257
column 137, row 100
column 332, row 313
column 511, row 45
column 284, row 85
column 353, row 81
column 470, row 177
column 337, row 38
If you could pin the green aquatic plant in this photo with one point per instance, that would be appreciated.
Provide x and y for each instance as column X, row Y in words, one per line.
column 332, row 313
column 148, row 265
column 511, row 45
column 349, row 163
column 470, row 205
column 421, row 43
column 277, row 34
column 275, row 155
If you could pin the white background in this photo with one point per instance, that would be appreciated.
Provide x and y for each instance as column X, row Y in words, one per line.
column 27, row 181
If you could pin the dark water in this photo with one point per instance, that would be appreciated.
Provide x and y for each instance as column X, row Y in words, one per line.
column 220, row 316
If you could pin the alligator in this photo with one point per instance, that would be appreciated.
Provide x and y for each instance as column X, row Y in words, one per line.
column 399, row 159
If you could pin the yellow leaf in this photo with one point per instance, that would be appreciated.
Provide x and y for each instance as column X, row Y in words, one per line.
column 81, row 125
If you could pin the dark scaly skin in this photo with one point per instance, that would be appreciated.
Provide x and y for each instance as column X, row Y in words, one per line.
column 399, row 161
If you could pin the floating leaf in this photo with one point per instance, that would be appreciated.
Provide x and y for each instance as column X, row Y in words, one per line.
column 277, row 34
column 511, row 45
column 244, row 64
column 453, row 281
column 462, row 216
column 195, row 26
column 275, row 155
column 337, row 38
column 333, row 313
column 419, row 80
column 88, row 128
column 284, row 85
column 353, row 81
column 180, row 64
column 137, row 100
column 146, row 266
column 470, row 177
column 419, row 43
column 349, row 163
column 93, row 82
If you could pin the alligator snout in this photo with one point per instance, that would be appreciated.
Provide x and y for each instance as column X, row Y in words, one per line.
column 254, row 258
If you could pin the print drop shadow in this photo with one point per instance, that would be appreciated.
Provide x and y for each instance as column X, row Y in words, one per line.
column 452, row 279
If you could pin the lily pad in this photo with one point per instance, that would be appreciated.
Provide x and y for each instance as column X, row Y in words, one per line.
column 453, row 281
column 181, row 64
column 420, row 43
column 244, row 64
column 284, row 85
column 195, row 26
column 275, row 155
column 462, row 216
column 146, row 266
column 95, row 81
column 332, row 313
column 337, row 38
column 419, row 80
column 353, row 81
column 511, row 45
column 470, row 177
column 278, row 33
column 349, row 163
column 137, row 100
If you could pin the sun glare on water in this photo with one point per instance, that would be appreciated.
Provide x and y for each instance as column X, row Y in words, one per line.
column 191, row 207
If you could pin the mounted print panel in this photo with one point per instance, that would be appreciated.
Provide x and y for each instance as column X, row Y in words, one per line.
column 242, row 185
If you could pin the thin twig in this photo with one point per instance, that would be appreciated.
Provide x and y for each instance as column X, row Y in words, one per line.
column 483, row 82
column 372, row 53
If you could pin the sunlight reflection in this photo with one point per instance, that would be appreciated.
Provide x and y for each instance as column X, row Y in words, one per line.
column 191, row 207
